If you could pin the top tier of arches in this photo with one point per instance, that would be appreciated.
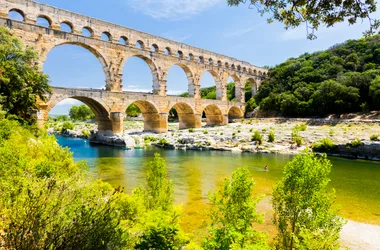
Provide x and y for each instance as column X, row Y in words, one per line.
column 66, row 21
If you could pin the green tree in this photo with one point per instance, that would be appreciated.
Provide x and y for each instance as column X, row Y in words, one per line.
column 133, row 111
column 374, row 92
column 233, row 210
column 305, row 215
column 315, row 13
column 81, row 112
column 21, row 81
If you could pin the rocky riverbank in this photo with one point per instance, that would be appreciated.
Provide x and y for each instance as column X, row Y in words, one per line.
column 352, row 138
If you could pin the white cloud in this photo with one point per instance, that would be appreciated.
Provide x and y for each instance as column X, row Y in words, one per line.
column 69, row 101
column 172, row 9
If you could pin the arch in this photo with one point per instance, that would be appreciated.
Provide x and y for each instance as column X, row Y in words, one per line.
column 87, row 31
column 43, row 20
column 123, row 40
column 260, row 73
column 188, row 84
column 167, row 51
column 207, row 77
column 180, row 54
column 93, row 51
column 201, row 59
column 152, row 119
column 100, row 110
column 140, row 44
column 186, row 116
column 226, row 65
column 244, row 70
column 238, row 68
column 233, row 66
column 235, row 89
column 251, row 85
column 140, row 84
column 154, row 48
column 210, row 61
column 16, row 14
column 219, row 63
column 255, row 72
column 214, row 115
column 66, row 27
column 191, row 57
column 106, row 36
column 235, row 113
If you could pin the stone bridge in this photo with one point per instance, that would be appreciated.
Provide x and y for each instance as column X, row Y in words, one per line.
column 113, row 45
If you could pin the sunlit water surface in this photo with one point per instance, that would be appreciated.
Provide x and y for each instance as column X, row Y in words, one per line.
column 195, row 173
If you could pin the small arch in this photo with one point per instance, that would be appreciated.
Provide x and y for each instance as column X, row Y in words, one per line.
column 44, row 21
column 66, row 27
column 210, row 61
column 179, row 54
column 150, row 114
column 250, row 71
column 260, row 73
column 140, row 44
column 190, row 57
column 235, row 113
column 154, row 48
column 233, row 66
column 244, row 70
column 17, row 15
column 167, row 51
column 226, row 65
column 219, row 63
column 239, row 68
column 255, row 72
column 201, row 59
column 87, row 31
column 214, row 116
column 106, row 36
column 123, row 40
column 264, row 74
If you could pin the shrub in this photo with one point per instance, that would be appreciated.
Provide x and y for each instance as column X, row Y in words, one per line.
column 374, row 137
column 205, row 131
column 148, row 139
column 331, row 132
column 163, row 142
column 324, row 145
column 299, row 141
column 271, row 136
column 86, row 133
column 301, row 127
column 257, row 137
column 67, row 126
column 355, row 143
column 191, row 130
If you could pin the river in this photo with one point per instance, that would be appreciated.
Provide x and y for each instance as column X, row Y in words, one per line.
column 195, row 173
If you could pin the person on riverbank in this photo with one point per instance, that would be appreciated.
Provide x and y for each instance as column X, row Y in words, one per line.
column 266, row 168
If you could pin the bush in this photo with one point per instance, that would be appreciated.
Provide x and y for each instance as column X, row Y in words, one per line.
column 355, row 143
column 271, row 136
column 149, row 139
column 163, row 142
column 326, row 145
column 67, row 126
column 374, row 137
column 302, row 127
column 257, row 137
column 205, row 131
column 86, row 133
column 191, row 130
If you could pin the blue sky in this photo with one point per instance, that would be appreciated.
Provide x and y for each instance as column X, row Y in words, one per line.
column 238, row 32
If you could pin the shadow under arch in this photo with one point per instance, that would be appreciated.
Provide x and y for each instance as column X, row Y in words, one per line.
column 235, row 113
column 186, row 116
column 152, row 118
column 93, row 51
column 101, row 114
column 214, row 115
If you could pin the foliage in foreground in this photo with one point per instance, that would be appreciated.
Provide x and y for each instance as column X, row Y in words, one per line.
column 21, row 83
column 305, row 215
column 233, row 210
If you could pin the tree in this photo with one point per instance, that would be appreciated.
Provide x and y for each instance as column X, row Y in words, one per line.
column 233, row 210
column 21, row 81
column 81, row 112
column 374, row 92
column 133, row 111
column 305, row 215
column 315, row 13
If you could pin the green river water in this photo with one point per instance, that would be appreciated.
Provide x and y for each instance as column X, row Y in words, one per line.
column 195, row 173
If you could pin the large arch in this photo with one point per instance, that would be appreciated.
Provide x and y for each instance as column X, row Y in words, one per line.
column 238, row 92
column 105, row 124
column 207, row 77
column 174, row 74
column 93, row 51
column 132, row 81
column 235, row 113
column 153, row 120
column 186, row 116
column 253, row 86
column 214, row 115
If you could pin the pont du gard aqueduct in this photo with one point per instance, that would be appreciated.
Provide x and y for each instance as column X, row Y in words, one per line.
column 109, row 104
